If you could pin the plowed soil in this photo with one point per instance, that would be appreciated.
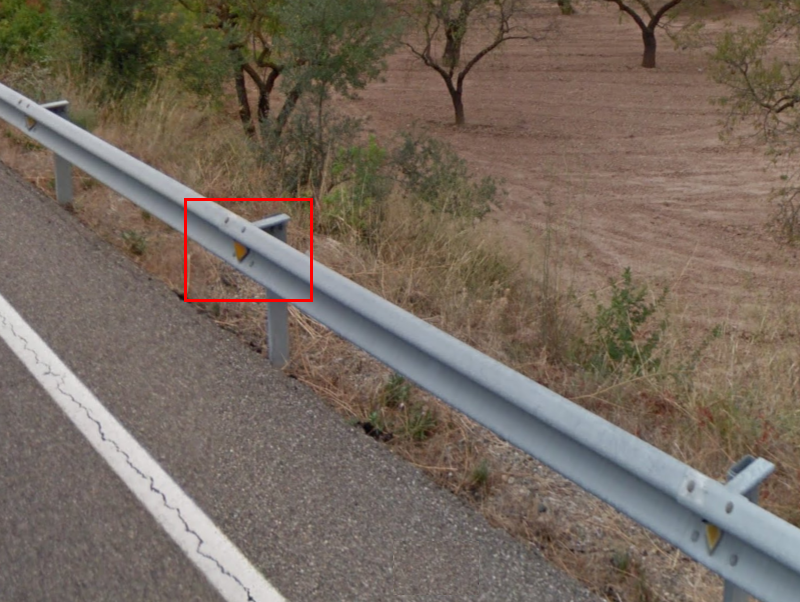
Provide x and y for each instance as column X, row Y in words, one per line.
column 630, row 159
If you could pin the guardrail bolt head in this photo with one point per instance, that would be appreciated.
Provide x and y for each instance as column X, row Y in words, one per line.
column 690, row 486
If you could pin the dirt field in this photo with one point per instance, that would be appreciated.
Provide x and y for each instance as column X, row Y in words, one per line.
column 630, row 158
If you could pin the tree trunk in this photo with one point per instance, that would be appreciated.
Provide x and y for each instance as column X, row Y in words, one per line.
column 457, row 97
column 265, row 91
column 454, row 34
column 263, row 106
column 245, row 114
column 288, row 106
column 649, row 58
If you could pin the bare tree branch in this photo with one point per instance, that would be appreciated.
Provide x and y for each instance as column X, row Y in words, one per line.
column 451, row 22
column 648, row 29
column 663, row 11
column 646, row 7
column 627, row 9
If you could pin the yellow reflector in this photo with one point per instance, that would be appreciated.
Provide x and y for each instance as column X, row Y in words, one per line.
column 713, row 535
column 240, row 250
column 30, row 122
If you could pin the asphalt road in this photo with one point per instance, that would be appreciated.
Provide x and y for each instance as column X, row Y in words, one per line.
column 322, row 510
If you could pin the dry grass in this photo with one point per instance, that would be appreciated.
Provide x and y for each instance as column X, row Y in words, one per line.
column 741, row 397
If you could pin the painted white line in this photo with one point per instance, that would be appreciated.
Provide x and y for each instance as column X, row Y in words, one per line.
column 206, row 546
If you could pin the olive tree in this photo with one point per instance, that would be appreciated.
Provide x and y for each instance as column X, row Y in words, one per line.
column 328, row 46
column 333, row 45
column 315, row 44
column 440, row 31
column 245, row 32
column 648, row 15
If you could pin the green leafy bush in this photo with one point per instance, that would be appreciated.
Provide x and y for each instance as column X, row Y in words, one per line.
column 397, row 390
column 566, row 8
column 431, row 172
column 362, row 169
column 361, row 187
column 25, row 28
column 121, row 39
column 301, row 153
column 194, row 55
column 623, row 335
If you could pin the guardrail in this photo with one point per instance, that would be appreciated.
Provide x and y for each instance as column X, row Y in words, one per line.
column 719, row 525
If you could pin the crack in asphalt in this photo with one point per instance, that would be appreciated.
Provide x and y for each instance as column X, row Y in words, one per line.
column 119, row 450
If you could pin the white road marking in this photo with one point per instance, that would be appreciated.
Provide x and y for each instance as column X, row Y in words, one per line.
column 206, row 546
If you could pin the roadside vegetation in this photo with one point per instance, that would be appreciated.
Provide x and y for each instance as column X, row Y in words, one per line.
column 243, row 99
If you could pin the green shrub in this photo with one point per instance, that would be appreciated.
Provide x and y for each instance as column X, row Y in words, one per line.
column 301, row 154
column 566, row 8
column 420, row 422
column 362, row 169
column 25, row 28
column 360, row 190
column 193, row 54
column 121, row 39
column 432, row 173
column 396, row 391
column 622, row 333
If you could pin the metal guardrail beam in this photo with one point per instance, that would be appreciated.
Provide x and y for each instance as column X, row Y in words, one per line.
column 758, row 552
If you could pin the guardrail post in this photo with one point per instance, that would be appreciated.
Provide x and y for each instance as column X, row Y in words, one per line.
column 745, row 477
column 63, row 168
column 277, row 311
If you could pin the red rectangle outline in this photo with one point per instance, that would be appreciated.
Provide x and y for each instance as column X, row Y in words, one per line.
column 310, row 252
